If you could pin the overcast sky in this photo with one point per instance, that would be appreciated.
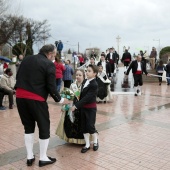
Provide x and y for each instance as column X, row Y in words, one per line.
column 97, row 23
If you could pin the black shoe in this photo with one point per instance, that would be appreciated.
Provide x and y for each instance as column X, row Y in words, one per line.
column 96, row 146
column 84, row 149
column 136, row 94
column 104, row 101
column 138, row 91
column 160, row 84
column 30, row 161
column 44, row 163
column 168, row 84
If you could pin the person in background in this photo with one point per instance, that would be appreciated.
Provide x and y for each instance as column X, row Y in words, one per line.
column 105, row 65
column 81, row 59
column 7, row 84
column 126, row 58
column 60, row 47
column 143, row 56
column 153, row 56
column 68, row 74
column 1, row 99
column 160, row 69
column 167, row 69
column 59, row 72
column 20, row 58
column 92, row 61
column 3, row 66
column 138, row 68
column 75, row 60
column 112, row 58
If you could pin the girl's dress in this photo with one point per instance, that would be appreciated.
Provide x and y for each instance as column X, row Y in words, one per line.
column 104, row 93
column 68, row 131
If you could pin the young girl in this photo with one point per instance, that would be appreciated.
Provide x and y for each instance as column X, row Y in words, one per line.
column 104, row 93
column 66, row 130
column 88, row 108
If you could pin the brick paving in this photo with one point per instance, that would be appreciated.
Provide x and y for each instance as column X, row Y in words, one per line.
column 134, row 134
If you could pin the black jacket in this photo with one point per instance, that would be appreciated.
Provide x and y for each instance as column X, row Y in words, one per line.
column 108, row 70
column 37, row 75
column 167, row 68
column 125, row 56
column 88, row 94
column 114, row 56
column 134, row 66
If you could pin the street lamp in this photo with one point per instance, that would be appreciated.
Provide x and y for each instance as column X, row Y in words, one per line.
column 118, row 41
column 158, row 44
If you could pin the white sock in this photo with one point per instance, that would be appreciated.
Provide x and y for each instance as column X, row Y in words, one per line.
column 87, row 139
column 43, row 149
column 29, row 142
column 95, row 137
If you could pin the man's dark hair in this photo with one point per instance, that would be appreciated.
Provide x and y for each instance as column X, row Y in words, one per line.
column 47, row 48
column 69, row 61
column 92, row 58
column 94, row 68
column 8, row 70
column 102, row 54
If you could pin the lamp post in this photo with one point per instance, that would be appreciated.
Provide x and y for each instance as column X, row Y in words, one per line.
column 118, row 41
column 159, row 45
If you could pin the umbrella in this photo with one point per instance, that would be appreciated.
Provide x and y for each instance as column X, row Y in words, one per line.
column 5, row 59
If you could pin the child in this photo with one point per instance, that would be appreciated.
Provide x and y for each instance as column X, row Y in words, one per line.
column 66, row 130
column 88, row 108
column 103, row 86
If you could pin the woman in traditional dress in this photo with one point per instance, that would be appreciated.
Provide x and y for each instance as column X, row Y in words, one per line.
column 66, row 130
column 104, row 93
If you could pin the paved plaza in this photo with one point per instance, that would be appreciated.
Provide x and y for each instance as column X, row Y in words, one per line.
column 134, row 134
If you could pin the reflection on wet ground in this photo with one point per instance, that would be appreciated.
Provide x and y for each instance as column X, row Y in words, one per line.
column 120, row 84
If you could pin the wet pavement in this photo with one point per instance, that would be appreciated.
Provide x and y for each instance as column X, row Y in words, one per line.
column 134, row 134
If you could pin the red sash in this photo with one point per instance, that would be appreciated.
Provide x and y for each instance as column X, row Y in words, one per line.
column 138, row 72
column 90, row 105
column 22, row 93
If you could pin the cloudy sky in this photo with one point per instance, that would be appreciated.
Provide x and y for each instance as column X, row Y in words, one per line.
column 97, row 23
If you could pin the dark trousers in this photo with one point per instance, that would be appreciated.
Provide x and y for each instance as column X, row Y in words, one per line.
column 32, row 111
column 10, row 96
column 138, row 80
column 112, row 67
column 1, row 98
column 126, row 63
column 160, row 78
column 67, row 83
column 58, row 84
column 88, row 119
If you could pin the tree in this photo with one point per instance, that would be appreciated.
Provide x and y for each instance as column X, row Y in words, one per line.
column 164, row 51
column 69, row 51
column 21, row 48
column 4, row 5
column 17, row 29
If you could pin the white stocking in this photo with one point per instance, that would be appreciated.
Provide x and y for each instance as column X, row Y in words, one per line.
column 95, row 137
column 29, row 142
column 87, row 139
column 43, row 149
